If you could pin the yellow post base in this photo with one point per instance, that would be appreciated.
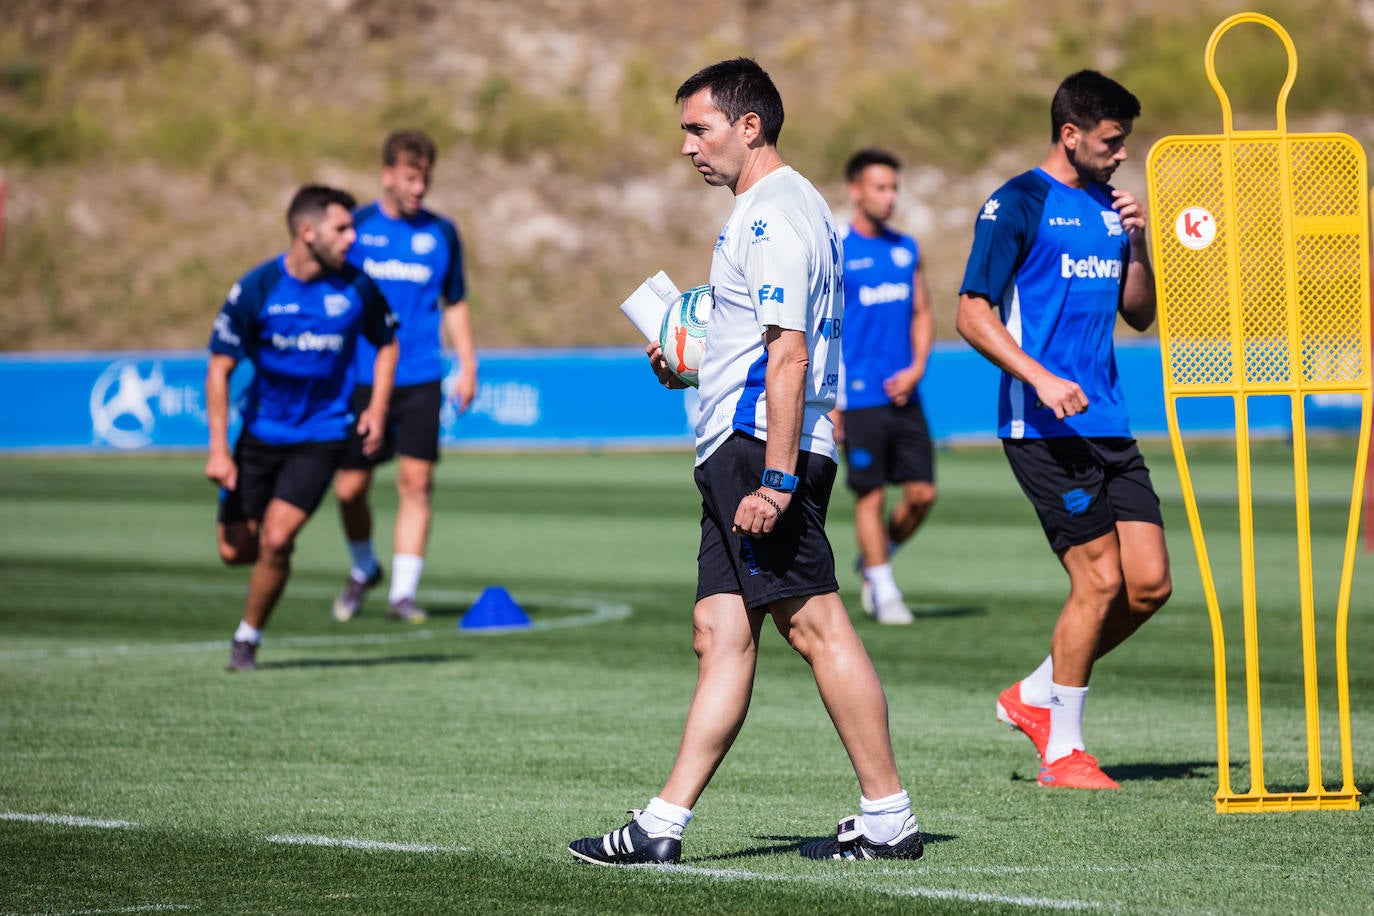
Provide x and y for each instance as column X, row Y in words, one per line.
column 1289, row 801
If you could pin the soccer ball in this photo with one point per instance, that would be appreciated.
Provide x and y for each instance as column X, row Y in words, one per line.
column 683, row 336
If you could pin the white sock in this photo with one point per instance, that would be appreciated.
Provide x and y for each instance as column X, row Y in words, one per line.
column 364, row 560
column 660, row 817
column 884, row 817
column 884, row 586
column 1066, row 722
column 245, row 633
column 1035, row 687
column 405, row 575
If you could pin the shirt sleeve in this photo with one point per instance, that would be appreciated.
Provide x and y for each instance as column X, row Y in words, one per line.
column 455, row 280
column 236, row 322
column 777, row 270
column 1002, row 234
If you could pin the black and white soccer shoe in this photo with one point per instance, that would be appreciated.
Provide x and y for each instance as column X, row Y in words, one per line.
column 628, row 845
column 850, row 843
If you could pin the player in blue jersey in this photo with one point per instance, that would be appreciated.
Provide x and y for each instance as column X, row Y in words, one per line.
column 298, row 319
column 888, row 331
column 765, row 468
column 1059, row 253
column 415, row 256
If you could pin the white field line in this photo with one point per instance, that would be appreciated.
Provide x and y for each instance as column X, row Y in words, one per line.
column 727, row 874
column 929, row 893
column 146, row 908
column 597, row 611
column 293, row 840
column 65, row 820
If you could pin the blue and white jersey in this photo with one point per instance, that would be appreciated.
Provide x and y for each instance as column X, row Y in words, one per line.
column 301, row 338
column 777, row 262
column 1053, row 258
column 417, row 262
column 879, row 300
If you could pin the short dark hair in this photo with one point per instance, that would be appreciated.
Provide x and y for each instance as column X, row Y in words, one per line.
column 415, row 144
column 1087, row 97
column 312, row 200
column 738, row 87
column 866, row 157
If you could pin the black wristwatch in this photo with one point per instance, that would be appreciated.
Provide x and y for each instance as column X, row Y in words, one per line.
column 781, row 481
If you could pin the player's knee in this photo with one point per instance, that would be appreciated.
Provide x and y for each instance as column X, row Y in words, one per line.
column 1146, row 598
column 1100, row 583
column 276, row 546
column 237, row 545
column 415, row 488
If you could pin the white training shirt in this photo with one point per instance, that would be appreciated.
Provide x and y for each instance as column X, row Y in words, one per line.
column 777, row 262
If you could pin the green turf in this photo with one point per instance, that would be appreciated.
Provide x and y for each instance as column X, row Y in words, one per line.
column 481, row 756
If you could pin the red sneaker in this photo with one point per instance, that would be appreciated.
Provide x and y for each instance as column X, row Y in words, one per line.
column 1033, row 721
column 1075, row 770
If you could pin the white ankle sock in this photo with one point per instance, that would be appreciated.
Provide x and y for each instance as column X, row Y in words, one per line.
column 884, row 586
column 364, row 560
column 1035, row 687
column 660, row 817
column 405, row 575
column 245, row 633
column 883, row 817
column 1066, row 722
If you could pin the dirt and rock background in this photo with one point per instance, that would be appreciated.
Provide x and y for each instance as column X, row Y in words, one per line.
column 148, row 148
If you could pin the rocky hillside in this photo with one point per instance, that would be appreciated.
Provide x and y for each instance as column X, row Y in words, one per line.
column 149, row 147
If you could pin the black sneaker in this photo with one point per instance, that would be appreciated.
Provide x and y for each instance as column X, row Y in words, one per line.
column 628, row 845
column 850, row 843
column 243, row 656
column 351, row 598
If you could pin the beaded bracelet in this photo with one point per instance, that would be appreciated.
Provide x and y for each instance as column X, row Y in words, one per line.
column 768, row 499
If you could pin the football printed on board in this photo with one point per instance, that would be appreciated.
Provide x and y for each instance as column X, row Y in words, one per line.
column 683, row 336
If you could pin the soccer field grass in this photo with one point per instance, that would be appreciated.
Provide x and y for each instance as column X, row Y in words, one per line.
column 370, row 767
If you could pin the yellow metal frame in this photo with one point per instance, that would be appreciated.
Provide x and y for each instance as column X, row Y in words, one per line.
column 1261, row 242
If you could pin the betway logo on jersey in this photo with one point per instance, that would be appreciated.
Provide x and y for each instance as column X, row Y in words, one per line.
column 884, row 292
column 1090, row 267
column 308, row 342
column 393, row 269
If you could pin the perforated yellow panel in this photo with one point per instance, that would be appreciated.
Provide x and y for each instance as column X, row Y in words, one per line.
column 1261, row 250
column 1278, row 300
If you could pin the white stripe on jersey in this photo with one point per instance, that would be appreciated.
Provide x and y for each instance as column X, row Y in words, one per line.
column 1016, row 392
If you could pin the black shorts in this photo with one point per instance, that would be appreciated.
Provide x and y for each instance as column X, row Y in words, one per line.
column 412, row 425
column 887, row 444
column 297, row 474
column 794, row 559
column 1081, row 488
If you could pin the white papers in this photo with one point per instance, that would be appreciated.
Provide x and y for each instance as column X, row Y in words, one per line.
column 646, row 305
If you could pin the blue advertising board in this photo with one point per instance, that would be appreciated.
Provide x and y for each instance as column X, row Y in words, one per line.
column 588, row 398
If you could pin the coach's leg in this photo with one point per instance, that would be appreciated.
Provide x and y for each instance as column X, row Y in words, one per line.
column 819, row 629
column 725, row 637
column 276, row 541
column 1148, row 584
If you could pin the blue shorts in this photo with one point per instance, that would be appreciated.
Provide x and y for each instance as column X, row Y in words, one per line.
column 792, row 560
column 1081, row 488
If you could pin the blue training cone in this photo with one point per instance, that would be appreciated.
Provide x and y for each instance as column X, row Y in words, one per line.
column 495, row 609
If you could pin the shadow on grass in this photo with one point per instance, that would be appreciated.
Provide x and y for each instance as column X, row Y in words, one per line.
column 1142, row 772
column 790, row 845
column 951, row 611
column 430, row 659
